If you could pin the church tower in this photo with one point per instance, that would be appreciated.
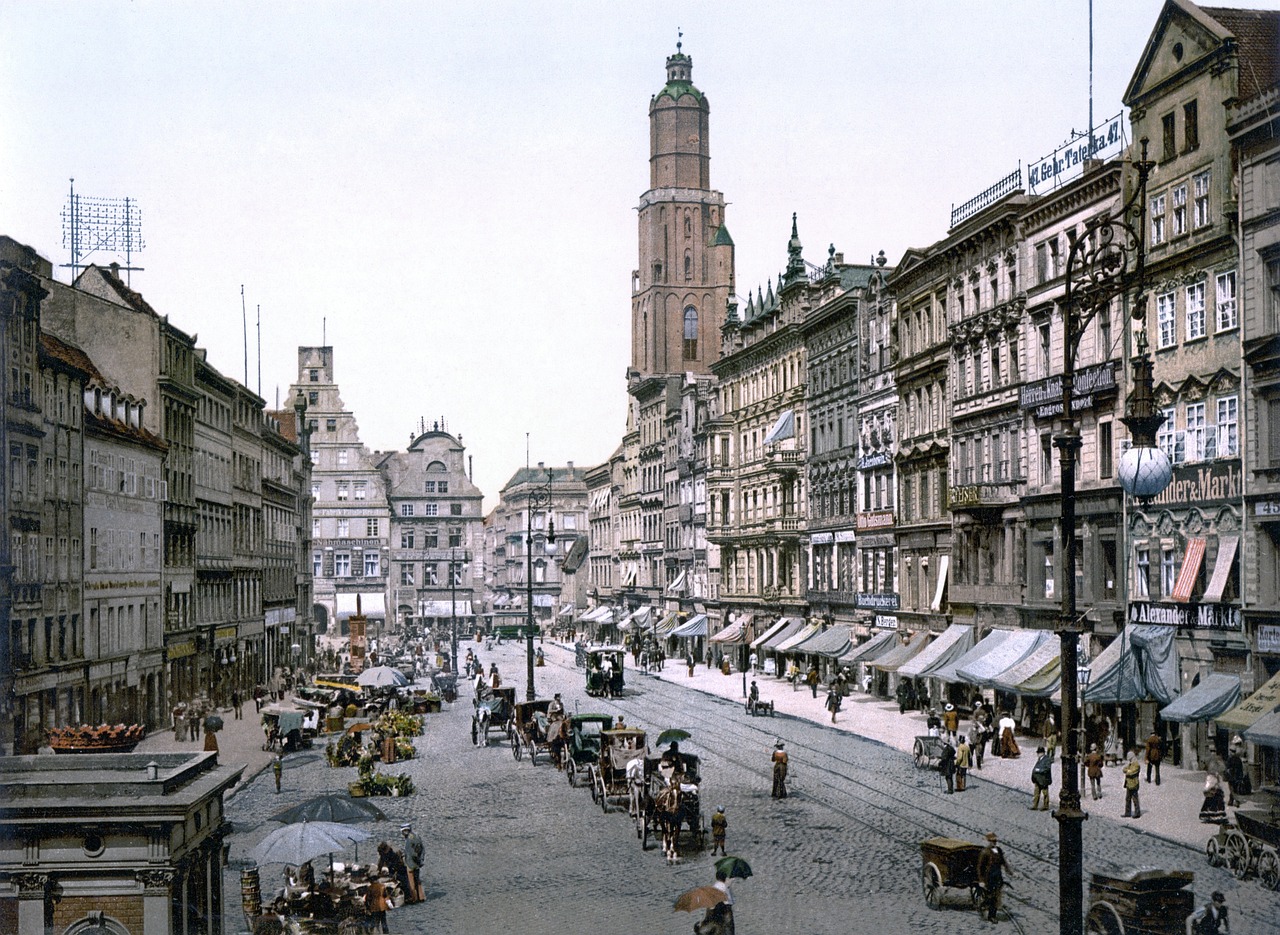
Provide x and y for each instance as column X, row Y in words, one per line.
column 685, row 275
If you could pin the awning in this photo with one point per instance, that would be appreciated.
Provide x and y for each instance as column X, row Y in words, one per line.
column 1265, row 730
column 892, row 661
column 543, row 600
column 1215, row 694
column 733, row 633
column 780, row 636
column 832, row 642
column 1221, row 568
column 371, row 605
column 1140, row 664
column 771, row 632
column 697, row 626
column 1190, row 570
column 567, row 610
column 784, row 427
column 667, row 624
column 1013, row 649
column 445, row 609
column 677, row 586
column 951, row 644
column 877, row 646
column 502, row 600
column 790, row 643
column 596, row 614
column 944, row 561
column 1038, row 673
column 1261, row 703
column 989, row 643
column 629, row 575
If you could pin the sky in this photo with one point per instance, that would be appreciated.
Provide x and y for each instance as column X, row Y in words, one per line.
column 446, row 192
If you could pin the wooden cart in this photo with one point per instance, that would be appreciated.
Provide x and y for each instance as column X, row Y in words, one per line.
column 948, row 862
column 1250, row 844
column 927, row 750
column 1142, row 902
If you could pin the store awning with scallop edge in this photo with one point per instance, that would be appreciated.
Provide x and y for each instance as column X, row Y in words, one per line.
column 1017, row 646
column 1214, row 694
column 794, row 626
column 800, row 636
column 951, row 644
column 832, row 642
column 892, row 661
column 697, row 626
column 987, row 644
column 1036, row 675
column 733, row 633
column 879, row 644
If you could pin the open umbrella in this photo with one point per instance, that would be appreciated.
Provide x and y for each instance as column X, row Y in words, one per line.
column 700, row 897
column 213, row 722
column 332, row 807
column 296, row 844
column 733, row 867
column 671, row 735
column 381, row 677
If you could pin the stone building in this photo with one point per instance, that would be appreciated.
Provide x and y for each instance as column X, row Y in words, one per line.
column 287, row 636
column 214, row 601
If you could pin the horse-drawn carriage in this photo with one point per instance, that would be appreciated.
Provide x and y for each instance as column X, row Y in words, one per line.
column 493, row 713
column 288, row 729
column 604, row 671
column 532, row 730
column 666, row 798
column 1249, row 844
column 608, row 775
column 445, row 684
column 582, row 744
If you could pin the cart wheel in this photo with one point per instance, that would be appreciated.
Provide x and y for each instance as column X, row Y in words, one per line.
column 975, row 895
column 533, row 754
column 1103, row 920
column 1237, row 848
column 1269, row 869
column 569, row 771
column 1213, row 852
column 931, row 883
column 515, row 749
column 475, row 733
column 918, row 752
column 591, row 781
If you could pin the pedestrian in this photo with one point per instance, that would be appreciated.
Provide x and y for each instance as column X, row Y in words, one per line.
column 277, row 767
column 494, row 677
column 1154, row 755
column 812, row 678
column 210, row 742
column 979, row 731
column 414, row 853
column 1041, row 779
column 1214, row 809
column 1238, row 783
column 964, row 757
column 753, row 697
column 1093, row 763
column 933, row 723
column 753, row 661
column 719, row 829
column 376, row 904
column 1132, row 806
column 833, row 702
column 951, row 721
column 1005, row 730
column 904, row 695
column 992, row 868
column 235, row 703
column 725, row 908
column 947, row 765
column 258, row 694
column 391, row 863
column 1213, row 917
column 690, row 662
column 779, row 771
column 194, row 714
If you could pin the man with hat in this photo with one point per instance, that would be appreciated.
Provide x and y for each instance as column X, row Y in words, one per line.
column 951, row 721
column 719, row 830
column 992, row 868
column 414, row 853
column 779, row 771
column 1213, row 917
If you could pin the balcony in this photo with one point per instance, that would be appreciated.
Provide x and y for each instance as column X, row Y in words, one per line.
column 1007, row 594
column 785, row 462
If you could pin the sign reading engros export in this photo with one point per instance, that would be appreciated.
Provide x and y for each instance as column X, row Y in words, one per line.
column 1187, row 616
column 1059, row 165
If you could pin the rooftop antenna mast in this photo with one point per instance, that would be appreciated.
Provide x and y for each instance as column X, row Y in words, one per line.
column 1090, row 79
column 259, row 350
column 113, row 225
column 244, row 322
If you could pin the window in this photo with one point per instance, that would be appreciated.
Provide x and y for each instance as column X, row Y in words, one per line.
column 1166, row 325
column 315, row 529
column 406, row 539
column 1169, row 143
column 1201, row 183
column 314, row 376
column 430, row 576
column 1190, row 127
column 331, row 425
column 431, row 539
column 1048, row 570
column 455, row 509
column 1015, row 371
column 1108, row 569
column 1195, row 433
column 1046, row 459
column 962, row 377
column 1042, row 262
column 1168, row 572
column 455, row 538
column 430, row 509
column 344, row 528
column 1055, row 258
column 1165, row 434
column 1104, row 333
column 406, row 509
column 1104, row 449
column 442, row 486
column 342, row 564
column 343, row 456
column 1228, row 426
column 430, row 486
column 343, row 491
column 406, row 574
column 1195, row 311
column 1044, row 349
column 371, row 564
column 690, row 333
column 371, row 528
column 313, row 398
column 1142, row 574
column 360, row 488
column 315, row 491
column 995, row 365
column 1157, row 220
column 1225, row 300
column 317, row 563
column 455, row 574
column 1179, row 225
column 539, row 572
column 1273, row 295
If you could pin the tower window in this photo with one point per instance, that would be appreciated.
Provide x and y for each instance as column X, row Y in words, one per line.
column 690, row 333
column 688, row 265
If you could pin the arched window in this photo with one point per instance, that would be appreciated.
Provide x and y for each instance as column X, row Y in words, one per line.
column 690, row 333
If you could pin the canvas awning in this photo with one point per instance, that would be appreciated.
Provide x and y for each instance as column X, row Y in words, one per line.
column 675, row 587
column 1259, row 704
column 502, row 600
column 458, row 608
column 629, row 574
column 783, row 427
column 832, row 642
column 371, row 604
column 1265, row 730
column 567, row 610
column 1140, row 664
column 638, row 618
column 1013, row 649
column 697, row 626
column 879, row 644
column 1038, row 673
column 988, row 643
column 944, row 562
column 951, row 644
column 771, row 632
column 596, row 614
column 1214, row 694
column 667, row 624
column 1221, row 568
column 793, row 626
column 800, row 636
column 893, row 660
column 1190, row 570
column 733, row 633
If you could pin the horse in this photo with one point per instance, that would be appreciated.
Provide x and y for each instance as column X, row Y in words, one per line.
column 667, row 818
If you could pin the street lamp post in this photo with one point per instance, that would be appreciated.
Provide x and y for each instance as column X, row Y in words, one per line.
column 539, row 495
column 1098, row 270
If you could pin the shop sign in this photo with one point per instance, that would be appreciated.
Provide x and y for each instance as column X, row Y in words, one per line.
column 224, row 633
column 1269, row 639
column 820, row 538
column 874, row 460
column 865, row 601
column 1202, row 483
column 886, row 622
column 180, row 650
column 1267, row 508
column 877, row 520
column 1067, row 160
column 1045, row 396
column 881, row 541
column 845, row 535
column 1187, row 616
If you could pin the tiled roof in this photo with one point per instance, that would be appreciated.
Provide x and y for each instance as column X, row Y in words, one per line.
column 1257, row 35
column 131, row 298
column 70, row 355
column 288, row 423
column 105, row 423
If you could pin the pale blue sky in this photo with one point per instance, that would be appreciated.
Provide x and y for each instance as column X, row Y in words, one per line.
column 453, row 185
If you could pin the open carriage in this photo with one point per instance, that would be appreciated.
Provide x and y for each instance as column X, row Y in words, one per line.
column 608, row 776
column 288, row 729
column 582, row 746
column 668, row 799
column 493, row 713
column 604, row 671
column 531, row 730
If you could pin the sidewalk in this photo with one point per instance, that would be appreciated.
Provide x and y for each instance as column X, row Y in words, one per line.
column 1170, row 810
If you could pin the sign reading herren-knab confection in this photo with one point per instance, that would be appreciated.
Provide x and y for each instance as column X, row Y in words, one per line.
column 1187, row 616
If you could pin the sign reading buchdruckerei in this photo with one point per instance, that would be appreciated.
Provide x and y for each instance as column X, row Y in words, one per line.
column 868, row 601
column 1187, row 616
column 1068, row 159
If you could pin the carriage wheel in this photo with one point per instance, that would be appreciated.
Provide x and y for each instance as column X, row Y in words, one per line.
column 1237, row 848
column 533, row 754
column 1269, row 869
column 1213, row 852
column 644, row 839
column 918, row 752
column 475, row 733
column 591, row 781
column 515, row 748
column 931, row 883
column 1103, row 920
column 570, row 771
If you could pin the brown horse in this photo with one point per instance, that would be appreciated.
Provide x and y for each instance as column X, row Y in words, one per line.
column 673, row 808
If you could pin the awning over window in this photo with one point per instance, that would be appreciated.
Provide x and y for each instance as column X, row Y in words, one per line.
column 543, row 600
column 951, row 644
column 567, row 610
column 502, row 600
column 771, row 632
column 445, row 609
column 1141, row 664
column 794, row 640
column 944, row 562
column 638, row 618
column 371, row 605
column 629, row 575
column 675, row 587
column 892, row 661
column 1215, row 694
column 1262, row 702
column 1221, row 568
column 1013, row 649
column 1038, row 674
column 948, row 672
column 1265, row 730
column 733, row 633
column 697, row 626
column 832, row 642
column 601, row 614
column 1190, row 570
column 784, row 427
column 879, row 644
column 794, row 626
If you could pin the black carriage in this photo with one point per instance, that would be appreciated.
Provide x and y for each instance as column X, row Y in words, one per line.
column 582, row 749
column 1143, row 902
column 493, row 713
column 445, row 684
column 949, row 863
column 1250, row 844
column 604, row 671
column 288, row 729
column 681, row 780
column 531, row 730
column 608, row 775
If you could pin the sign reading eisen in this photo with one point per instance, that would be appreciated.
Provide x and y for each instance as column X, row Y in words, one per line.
column 1061, row 164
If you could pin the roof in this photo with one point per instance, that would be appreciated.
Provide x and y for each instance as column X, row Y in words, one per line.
column 678, row 89
column 69, row 355
column 577, row 552
column 538, row 475
column 1257, row 35
column 106, row 424
column 133, row 299
column 722, row 237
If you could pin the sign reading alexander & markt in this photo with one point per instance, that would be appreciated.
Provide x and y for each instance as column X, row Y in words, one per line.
column 878, row 520
column 1201, row 483
column 867, row 601
column 1188, row 616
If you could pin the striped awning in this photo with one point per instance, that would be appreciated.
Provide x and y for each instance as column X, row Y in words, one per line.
column 1265, row 731
column 771, row 632
column 879, row 644
column 1186, row 582
column 893, row 660
column 678, row 585
column 1018, row 645
column 733, row 633
column 668, row 623
column 833, row 642
column 1262, row 702
column 951, row 644
column 988, row 643
column 792, row 642
column 1037, row 674
column 1221, row 568
column 697, row 626
column 794, row 625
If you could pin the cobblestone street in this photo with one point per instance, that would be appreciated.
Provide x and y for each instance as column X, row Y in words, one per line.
column 513, row 847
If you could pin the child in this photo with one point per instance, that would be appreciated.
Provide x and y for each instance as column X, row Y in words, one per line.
column 719, row 828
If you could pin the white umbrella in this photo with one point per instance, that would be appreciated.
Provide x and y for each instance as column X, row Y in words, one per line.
column 381, row 677
column 296, row 844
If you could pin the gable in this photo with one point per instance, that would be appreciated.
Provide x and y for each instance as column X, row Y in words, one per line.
column 1184, row 39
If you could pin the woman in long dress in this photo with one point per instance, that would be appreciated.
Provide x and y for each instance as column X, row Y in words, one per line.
column 1008, row 745
column 1214, row 809
column 779, row 771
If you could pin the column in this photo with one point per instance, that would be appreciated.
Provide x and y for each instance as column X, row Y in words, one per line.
column 32, row 888
column 157, row 887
